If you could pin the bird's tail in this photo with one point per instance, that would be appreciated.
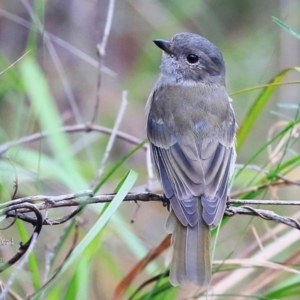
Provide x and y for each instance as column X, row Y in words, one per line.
column 191, row 252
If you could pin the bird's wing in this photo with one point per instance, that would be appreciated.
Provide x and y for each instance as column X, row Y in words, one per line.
column 189, row 169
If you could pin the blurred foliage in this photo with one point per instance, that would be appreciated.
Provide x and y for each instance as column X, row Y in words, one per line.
column 55, row 85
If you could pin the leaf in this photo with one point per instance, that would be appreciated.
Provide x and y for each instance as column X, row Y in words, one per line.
column 258, row 105
column 47, row 114
column 124, row 284
column 285, row 27
column 118, row 165
column 123, row 191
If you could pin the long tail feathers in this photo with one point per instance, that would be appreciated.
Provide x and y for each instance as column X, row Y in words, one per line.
column 191, row 255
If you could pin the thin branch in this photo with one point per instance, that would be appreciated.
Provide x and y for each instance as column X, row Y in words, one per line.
column 101, row 52
column 83, row 198
column 263, row 202
column 11, row 65
column 38, row 227
column 277, row 153
column 84, row 127
column 19, row 267
column 267, row 172
column 56, row 60
column 46, row 283
column 110, row 12
column 260, row 187
column 19, row 208
column 264, row 214
column 55, row 39
column 111, row 139
column 262, row 86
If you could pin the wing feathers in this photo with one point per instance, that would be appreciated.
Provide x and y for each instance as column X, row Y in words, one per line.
column 213, row 208
column 191, row 167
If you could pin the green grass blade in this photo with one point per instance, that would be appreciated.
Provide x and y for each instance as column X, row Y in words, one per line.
column 48, row 116
column 83, row 278
column 118, row 165
column 286, row 289
column 285, row 27
column 123, row 191
column 164, row 291
column 258, row 105
column 62, row 240
column 71, row 292
column 132, row 241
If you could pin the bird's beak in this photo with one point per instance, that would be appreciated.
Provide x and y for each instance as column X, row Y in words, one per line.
column 164, row 45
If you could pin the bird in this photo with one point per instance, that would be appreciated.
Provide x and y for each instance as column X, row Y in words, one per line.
column 191, row 131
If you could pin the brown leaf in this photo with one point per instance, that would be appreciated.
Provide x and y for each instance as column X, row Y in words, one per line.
column 124, row 284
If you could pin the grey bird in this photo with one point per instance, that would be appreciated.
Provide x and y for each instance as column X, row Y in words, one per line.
column 191, row 129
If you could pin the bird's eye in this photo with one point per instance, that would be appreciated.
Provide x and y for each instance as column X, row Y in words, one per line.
column 192, row 58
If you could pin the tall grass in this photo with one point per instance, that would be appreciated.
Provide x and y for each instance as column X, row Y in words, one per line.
column 89, row 256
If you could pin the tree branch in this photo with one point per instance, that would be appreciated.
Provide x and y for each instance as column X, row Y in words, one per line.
column 87, row 127
column 17, row 208
column 22, row 207
column 264, row 214
column 38, row 227
column 101, row 53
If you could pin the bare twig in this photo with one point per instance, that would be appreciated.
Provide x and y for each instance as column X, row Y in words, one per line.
column 267, row 172
column 55, row 39
column 110, row 12
column 101, row 52
column 262, row 86
column 56, row 61
column 11, row 223
column 13, row 196
column 134, row 216
column 111, row 139
column 19, row 208
column 49, row 254
column 19, row 267
column 83, row 198
column 38, row 227
column 276, row 153
column 263, row 202
column 264, row 214
column 46, row 283
column 260, row 187
column 71, row 129
column 11, row 65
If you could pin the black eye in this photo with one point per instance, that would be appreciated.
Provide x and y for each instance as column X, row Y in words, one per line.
column 192, row 58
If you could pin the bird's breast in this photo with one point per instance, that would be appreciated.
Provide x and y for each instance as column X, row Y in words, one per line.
column 198, row 109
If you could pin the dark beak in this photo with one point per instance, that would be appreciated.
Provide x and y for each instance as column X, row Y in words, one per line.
column 164, row 45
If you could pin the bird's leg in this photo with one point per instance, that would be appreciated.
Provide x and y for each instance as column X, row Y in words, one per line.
column 166, row 202
column 227, row 201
